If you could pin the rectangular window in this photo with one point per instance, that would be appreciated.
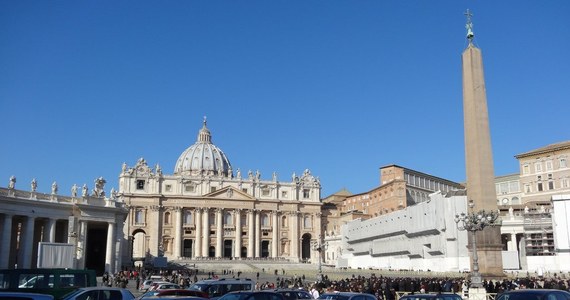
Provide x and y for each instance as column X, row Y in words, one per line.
column 525, row 169
column 514, row 186
column 565, row 182
column 539, row 187
column 168, row 188
column 538, row 167
column 189, row 187
column 244, row 190
column 140, row 184
column 563, row 162
column 306, row 193
column 265, row 192
column 549, row 165
column 212, row 189
column 551, row 185
column 284, row 194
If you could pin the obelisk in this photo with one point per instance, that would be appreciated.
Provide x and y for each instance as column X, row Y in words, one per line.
column 479, row 156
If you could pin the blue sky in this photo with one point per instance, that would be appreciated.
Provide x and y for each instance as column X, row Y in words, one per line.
column 338, row 87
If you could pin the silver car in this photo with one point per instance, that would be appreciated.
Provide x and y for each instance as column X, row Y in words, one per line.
column 100, row 293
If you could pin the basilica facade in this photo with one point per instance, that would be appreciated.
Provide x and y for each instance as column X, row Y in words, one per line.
column 208, row 210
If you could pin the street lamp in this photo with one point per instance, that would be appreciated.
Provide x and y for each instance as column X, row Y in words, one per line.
column 473, row 222
column 319, row 246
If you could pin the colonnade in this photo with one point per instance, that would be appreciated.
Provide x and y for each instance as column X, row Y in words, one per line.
column 203, row 227
column 20, row 235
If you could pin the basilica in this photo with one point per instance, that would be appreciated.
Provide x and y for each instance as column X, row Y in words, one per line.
column 207, row 210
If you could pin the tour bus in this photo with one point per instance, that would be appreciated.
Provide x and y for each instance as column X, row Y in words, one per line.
column 56, row 282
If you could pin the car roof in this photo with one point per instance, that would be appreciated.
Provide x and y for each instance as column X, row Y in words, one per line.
column 430, row 296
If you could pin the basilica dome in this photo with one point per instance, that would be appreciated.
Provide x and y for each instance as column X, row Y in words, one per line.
column 203, row 158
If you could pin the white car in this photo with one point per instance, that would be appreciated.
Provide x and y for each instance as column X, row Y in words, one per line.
column 166, row 286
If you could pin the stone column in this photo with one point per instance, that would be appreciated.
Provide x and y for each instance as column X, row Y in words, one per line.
column 156, row 233
column 251, row 234
column 109, row 253
column 6, row 242
column 275, row 236
column 206, row 232
column 81, row 236
column 295, row 235
column 198, row 231
column 512, row 245
column 219, row 232
column 25, row 257
column 50, row 231
column 177, row 233
column 317, row 230
column 258, row 234
column 237, row 216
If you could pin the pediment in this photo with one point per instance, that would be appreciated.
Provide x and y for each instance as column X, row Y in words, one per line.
column 229, row 193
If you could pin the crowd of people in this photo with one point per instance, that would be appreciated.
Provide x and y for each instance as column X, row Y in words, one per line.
column 383, row 287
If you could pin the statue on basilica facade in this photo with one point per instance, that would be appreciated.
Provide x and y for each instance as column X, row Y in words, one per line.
column 34, row 185
column 84, row 191
column 74, row 190
column 54, row 188
column 12, row 183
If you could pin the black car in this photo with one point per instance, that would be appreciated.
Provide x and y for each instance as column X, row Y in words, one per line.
column 532, row 294
column 347, row 296
column 248, row 295
column 294, row 294
column 441, row 296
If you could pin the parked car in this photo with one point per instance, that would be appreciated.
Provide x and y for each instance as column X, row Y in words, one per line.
column 145, row 285
column 155, row 284
column 216, row 288
column 166, row 286
column 294, row 294
column 249, row 295
column 24, row 296
column 100, row 293
column 441, row 296
column 174, row 292
column 346, row 296
column 534, row 294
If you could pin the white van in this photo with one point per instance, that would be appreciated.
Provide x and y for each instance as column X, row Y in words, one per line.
column 216, row 288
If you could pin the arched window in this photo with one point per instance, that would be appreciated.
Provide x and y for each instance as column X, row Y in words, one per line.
column 212, row 219
column 284, row 221
column 228, row 219
column 167, row 217
column 244, row 220
column 264, row 220
column 188, row 217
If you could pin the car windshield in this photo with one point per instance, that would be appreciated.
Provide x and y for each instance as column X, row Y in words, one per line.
column 199, row 287
column 72, row 294
column 234, row 296
column 149, row 294
column 333, row 297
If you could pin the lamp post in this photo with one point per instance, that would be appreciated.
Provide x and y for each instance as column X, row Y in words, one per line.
column 319, row 246
column 473, row 222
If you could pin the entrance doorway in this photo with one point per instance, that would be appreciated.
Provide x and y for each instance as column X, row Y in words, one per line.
column 187, row 248
column 228, row 249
